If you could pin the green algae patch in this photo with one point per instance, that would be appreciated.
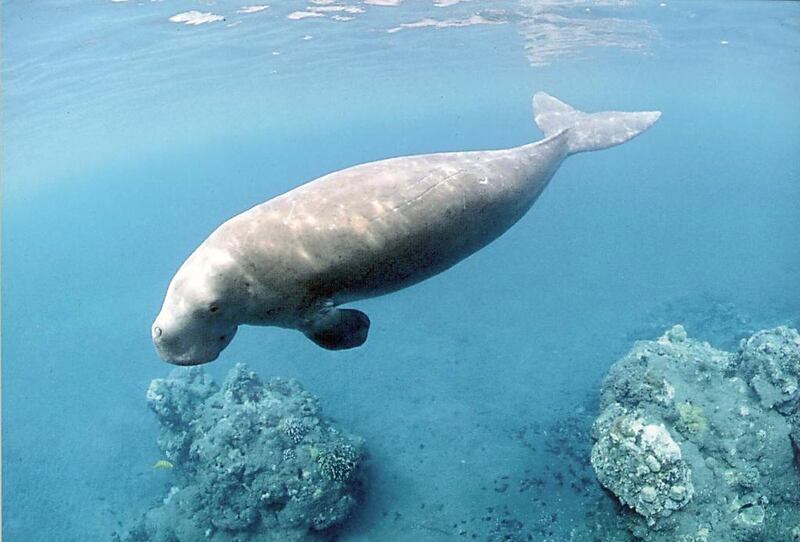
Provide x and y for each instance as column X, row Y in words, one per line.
column 691, row 420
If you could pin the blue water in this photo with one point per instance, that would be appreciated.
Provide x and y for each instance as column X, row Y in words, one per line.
column 127, row 138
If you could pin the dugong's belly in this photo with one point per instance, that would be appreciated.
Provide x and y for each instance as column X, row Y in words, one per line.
column 381, row 226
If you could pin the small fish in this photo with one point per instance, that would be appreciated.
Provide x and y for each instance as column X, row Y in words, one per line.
column 162, row 464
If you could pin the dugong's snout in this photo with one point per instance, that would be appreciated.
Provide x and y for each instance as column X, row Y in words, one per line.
column 185, row 348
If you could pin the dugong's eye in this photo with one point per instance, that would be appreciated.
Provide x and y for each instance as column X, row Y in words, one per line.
column 213, row 307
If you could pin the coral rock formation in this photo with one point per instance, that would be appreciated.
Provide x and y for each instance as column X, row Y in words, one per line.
column 252, row 461
column 697, row 442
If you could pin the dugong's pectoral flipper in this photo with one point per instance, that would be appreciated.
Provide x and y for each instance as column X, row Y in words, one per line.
column 589, row 131
column 338, row 329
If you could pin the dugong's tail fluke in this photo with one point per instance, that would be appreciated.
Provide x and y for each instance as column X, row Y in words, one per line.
column 589, row 131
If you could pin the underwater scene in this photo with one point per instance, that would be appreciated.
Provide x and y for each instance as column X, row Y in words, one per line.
column 542, row 284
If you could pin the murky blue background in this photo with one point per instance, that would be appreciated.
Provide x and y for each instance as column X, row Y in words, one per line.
column 127, row 138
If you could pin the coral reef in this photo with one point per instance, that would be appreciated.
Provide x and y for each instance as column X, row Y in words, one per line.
column 696, row 443
column 338, row 462
column 252, row 461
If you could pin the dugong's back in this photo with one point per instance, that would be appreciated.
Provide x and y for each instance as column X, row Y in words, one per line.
column 381, row 226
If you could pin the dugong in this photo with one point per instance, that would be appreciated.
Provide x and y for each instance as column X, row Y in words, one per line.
column 365, row 231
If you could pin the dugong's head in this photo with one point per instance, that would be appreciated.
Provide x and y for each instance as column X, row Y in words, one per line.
column 202, row 310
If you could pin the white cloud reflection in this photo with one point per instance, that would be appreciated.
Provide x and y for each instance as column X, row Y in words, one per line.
column 252, row 9
column 446, row 23
column 196, row 18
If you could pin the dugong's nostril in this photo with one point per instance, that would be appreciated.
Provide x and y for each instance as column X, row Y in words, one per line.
column 156, row 332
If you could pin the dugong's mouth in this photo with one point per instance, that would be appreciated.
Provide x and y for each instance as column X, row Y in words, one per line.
column 192, row 356
column 188, row 361
column 197, row 349
column 189, row 358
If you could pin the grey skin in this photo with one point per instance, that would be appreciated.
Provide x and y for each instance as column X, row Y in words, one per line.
column 365, row 231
